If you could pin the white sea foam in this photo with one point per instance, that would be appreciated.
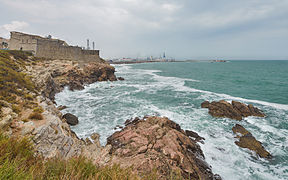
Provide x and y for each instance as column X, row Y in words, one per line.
column 103, row 105
column 179, row 85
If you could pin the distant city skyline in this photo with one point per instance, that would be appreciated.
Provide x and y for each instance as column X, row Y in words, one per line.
column 207, row 29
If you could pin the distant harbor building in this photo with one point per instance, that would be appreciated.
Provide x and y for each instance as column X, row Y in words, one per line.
column 48, row 47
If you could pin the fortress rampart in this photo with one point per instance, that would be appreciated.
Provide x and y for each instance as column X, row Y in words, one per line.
column 50, row 48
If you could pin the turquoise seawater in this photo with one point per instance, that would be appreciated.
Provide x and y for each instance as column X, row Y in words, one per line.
column 176, row 90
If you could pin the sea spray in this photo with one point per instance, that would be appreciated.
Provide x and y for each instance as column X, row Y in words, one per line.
column 174, row 91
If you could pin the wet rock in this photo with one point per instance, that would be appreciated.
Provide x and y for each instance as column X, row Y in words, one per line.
column 194, row 135
column 205, row 104
column 132, row 121
column 160, row 144
column 255, row 111
column 120, row 78
column 247, row 140
column 236, row 110
column 118, row 127
column 71, row 119
column 60, row 108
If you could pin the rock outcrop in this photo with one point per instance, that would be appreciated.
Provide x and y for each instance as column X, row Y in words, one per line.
column 235, row 110
column 195, row 136
column 52, row 76
column 247, row 140
column 120, row 78
column 6, row 114
column 154, row 143
column 71, row 119
column 160, row 144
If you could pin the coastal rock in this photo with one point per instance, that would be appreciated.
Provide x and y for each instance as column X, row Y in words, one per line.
column 60, row 108
column 194, row 135
column 71, row 119
column 120, row 78
column 52, row 136
column 132, row 121
column 7, row 115
column 235, row 110
column 52, row 76
column 247, row 140
column 160, row 144
column 205, row 104
column 27, row 128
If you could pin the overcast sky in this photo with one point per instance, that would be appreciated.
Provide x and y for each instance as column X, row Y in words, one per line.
column 184, row 29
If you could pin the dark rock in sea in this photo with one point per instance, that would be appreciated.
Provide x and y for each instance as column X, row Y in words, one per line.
column 247, row 140
column 160, row 144
column 120, row 78
column 205, row 104
column 194, row 135
column 132, row 121
column 118, row 127
column 71, row 119
column 236, row 110
column 60, row 108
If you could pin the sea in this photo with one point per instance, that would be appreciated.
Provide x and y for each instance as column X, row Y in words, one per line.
column 177, row 89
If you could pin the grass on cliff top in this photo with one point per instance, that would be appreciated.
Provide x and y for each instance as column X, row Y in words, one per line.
column 17, row 161
column 13, row 82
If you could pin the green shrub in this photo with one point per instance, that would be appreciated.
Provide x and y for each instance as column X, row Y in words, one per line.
column 38, row 110
column 16, row 108
column 18, row 161
column 28, row 97
column 36, row 116
column 13, row 82
column 20, row 54
column 25, row 120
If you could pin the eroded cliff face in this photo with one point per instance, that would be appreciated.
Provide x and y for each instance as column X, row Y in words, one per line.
column 52, row 76
column 48, row 130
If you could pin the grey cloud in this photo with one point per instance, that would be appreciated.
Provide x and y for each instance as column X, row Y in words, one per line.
column 183, row 28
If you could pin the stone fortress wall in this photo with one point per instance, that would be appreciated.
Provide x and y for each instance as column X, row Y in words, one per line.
column 50, row 48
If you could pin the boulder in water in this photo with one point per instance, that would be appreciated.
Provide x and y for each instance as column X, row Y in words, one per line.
column 247, row 140
column 120, row 78
column 60, row 108
column 235, row 110
column 71, row 119
column 194, row 136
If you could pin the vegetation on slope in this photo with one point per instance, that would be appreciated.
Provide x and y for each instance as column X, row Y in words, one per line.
column 17, row 161
column 13, row 82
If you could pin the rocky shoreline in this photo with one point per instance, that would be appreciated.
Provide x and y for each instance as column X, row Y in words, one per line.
column 149, row 144
column 237, row 110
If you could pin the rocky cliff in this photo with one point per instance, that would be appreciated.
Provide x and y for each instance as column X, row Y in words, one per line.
column 27, row 94
column 148, row 144
column 160, row 144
